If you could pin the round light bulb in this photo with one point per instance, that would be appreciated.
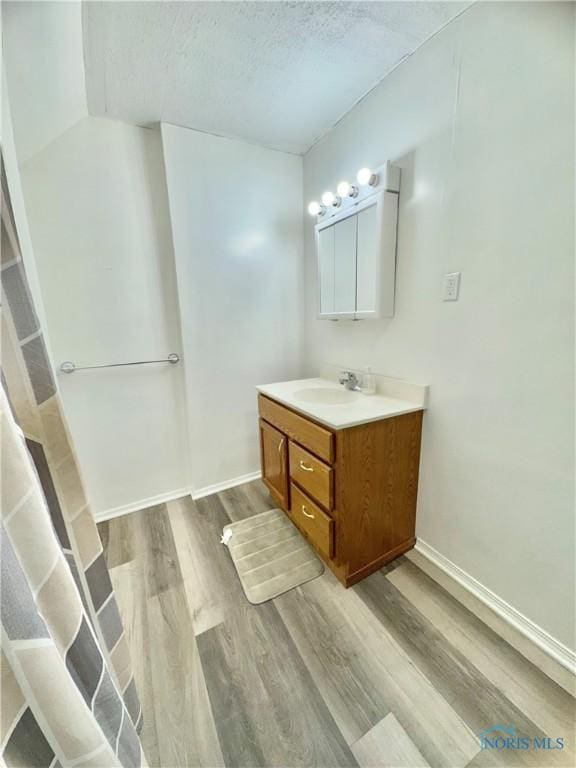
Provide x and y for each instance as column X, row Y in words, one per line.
column 328, row 198
column 315, row 209
column 365, row 176
column 345, row 189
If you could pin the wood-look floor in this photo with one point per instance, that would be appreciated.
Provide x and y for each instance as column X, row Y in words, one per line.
column 392, row 672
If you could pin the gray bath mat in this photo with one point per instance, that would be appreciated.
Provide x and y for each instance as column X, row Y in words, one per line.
column 270, row 555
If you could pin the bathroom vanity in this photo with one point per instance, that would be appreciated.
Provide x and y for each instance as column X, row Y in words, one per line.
column 344, row 467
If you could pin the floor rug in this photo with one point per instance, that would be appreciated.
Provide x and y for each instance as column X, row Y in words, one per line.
column 270, row 555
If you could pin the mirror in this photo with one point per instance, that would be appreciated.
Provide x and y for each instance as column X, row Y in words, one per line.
column 356, row 252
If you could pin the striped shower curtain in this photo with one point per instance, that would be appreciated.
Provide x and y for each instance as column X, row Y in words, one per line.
column 68, row 696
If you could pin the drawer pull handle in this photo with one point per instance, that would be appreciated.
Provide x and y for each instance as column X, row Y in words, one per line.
column 307, row 513
column 280, row 445
column 305, row 467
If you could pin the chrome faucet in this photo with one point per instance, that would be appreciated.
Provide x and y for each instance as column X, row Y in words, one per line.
column 350, row 381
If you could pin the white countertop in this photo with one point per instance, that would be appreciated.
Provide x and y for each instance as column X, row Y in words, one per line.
column 361, row 408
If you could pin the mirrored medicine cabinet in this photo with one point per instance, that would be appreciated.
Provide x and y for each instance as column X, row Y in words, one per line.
column 356, row 253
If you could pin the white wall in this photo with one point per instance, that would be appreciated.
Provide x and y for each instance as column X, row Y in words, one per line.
column 236, row 213
column 44, row 59
column 97, row 208
column 481, row 119
column 10, row 158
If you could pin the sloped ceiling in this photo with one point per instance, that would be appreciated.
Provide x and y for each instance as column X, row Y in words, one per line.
column 279, row 74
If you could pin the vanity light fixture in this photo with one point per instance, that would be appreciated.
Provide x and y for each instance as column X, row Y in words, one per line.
column 329, row 198
column 345, row 189
column 366, row 177
column 315, row 209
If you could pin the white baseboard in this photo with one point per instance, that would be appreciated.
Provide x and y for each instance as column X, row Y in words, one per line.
column 162, row 498
column 542, row 639
column 208, row 490
column 136, row 506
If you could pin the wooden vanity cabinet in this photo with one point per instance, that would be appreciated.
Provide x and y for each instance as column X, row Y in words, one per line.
column 351, row 492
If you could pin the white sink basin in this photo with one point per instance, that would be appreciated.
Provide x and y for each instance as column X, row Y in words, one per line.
column 326, row 396
column 322, row 400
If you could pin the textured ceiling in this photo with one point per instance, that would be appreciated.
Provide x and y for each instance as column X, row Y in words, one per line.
column 278, row 74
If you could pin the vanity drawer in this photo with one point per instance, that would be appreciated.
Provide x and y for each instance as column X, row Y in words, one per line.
column 312, row 475
column 312, row 436
column 316, row 524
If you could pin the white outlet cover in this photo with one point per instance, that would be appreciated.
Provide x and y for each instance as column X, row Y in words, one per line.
column 451, row 286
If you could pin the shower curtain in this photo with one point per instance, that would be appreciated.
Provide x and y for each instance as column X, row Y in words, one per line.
column 68, row 692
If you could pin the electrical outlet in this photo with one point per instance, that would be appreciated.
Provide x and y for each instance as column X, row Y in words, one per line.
column 451, row 286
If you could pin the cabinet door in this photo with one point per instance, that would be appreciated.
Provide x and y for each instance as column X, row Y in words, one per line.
column 368, row 253
column 326, row 270
column 345, row 266
column 274, row 460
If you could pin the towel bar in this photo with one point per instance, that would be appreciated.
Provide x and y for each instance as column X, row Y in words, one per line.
column 69, row 367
